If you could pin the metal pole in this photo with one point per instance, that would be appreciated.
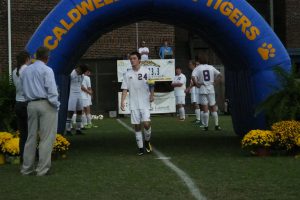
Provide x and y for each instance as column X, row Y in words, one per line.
column 137, row 35
column 9, row 37
column 272, row 13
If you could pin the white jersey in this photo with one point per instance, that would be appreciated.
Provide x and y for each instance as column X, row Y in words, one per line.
column 144, row 50
column 18, row 85
column 75, row 83
column 86, row 83
column 179, row 91
column 136, row 83
column 205, row 75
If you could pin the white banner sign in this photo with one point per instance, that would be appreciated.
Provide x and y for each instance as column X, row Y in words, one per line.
column 163, row 103
column 160, row 69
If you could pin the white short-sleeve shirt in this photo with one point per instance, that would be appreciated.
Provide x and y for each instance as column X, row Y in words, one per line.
column 136, row 83
column 179, row 91
column 86, row 82
column 18, row 85
column 206, row 74
column 144, row 50
column 75, row 83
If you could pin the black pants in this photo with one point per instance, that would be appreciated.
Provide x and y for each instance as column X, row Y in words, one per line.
column 21, row 112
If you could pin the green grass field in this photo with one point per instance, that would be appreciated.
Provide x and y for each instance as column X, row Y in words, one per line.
column 103, row 165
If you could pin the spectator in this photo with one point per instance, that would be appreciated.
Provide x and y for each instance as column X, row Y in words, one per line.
column 166, row 52
column 23, row 59
column 144, row 51
column 40, row 91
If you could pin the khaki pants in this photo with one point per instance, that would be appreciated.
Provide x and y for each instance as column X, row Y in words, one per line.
column 42, row 125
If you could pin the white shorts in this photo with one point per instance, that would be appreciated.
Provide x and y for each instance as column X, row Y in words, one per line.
column 75, row 103
column 141, row 115
column 90, row 100
column 180, row 100
column 195, row 98
column 85, row 102
column 208, row 99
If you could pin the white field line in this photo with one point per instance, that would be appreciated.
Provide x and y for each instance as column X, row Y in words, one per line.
column 182, row 175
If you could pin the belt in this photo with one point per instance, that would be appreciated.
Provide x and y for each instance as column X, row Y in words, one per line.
column 40, row 99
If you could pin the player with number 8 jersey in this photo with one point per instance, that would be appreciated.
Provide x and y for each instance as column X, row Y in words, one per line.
column 204, row 77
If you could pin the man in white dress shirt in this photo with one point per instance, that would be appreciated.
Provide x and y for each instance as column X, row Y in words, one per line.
column 179, row 84
column 40, row 91
column 140, row 95
column 144, row 51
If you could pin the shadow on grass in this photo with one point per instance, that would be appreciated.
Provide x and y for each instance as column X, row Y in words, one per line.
column 123, row 143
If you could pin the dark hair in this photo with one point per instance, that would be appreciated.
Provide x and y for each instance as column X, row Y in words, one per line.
column 178, row 67
column 83, row 68
column 135, row 53
column 203, row 58
column 42, row 53
column 193, row 62
column 22, row 57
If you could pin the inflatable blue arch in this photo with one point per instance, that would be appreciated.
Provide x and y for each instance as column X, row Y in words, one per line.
column 242, row 39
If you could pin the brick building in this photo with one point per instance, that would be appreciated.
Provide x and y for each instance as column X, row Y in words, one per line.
column 27, row 15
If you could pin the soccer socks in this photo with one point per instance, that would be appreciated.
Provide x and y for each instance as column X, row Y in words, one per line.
column 216, row 118
column 205, row 118
column 147, row 134
column 78, row 122
column 181, row 113
column 201, row 116
column 68, row 124
column 89, row 119
column 139, row 139
column 198, row 113
column 84, row 120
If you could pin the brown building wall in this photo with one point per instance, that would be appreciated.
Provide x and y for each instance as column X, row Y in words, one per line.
column 292, row 23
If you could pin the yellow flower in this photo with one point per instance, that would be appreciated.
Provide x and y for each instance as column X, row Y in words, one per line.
column 11, row 146
column 258, row 138
column 4, row 137
column 287, row 133
column 61, row 143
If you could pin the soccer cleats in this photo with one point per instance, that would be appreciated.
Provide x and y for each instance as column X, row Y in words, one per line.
column 141, row 151
column 148, row 147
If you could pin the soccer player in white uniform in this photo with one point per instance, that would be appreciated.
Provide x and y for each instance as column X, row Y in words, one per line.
column 140, row 95
column 179, row 84
column 204, row 77
column 144, row 51
column 194, row 91
column 86, row 92
column 75, row 99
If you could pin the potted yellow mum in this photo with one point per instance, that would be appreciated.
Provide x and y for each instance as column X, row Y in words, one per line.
column 60, row 147
column 12, row 150
column 258, row 142
column 4, row 137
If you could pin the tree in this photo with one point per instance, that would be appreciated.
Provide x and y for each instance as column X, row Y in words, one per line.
column 7, row 103
column 284, row 102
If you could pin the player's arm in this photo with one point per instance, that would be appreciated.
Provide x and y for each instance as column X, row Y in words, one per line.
column 177, row 84
column 195, row 82
column 123, row 97
column 85, row 89
column 151, row 93
column 218, row 76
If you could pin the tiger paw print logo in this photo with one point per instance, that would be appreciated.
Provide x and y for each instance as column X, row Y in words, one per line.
column 266, row 51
